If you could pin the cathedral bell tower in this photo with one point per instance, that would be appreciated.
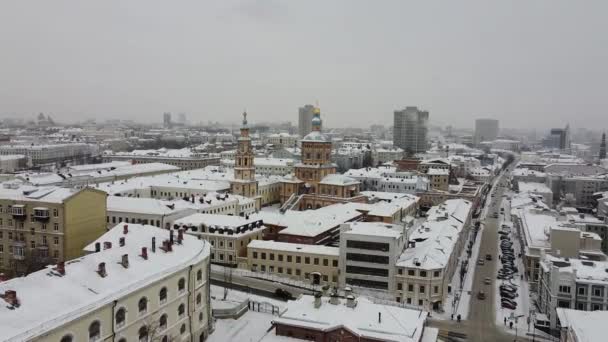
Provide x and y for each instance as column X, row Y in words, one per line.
column 244, row 182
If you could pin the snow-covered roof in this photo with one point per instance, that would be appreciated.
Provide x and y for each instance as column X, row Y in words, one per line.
column 438, row 172
column 49, row 300
column 229, row 222
column 316, row 136
column 435, row 239
column 294, row 247
column 536, row 223
column 152, row 206
column 310, row 222
column 337, row 179
column 587, row 326
column 50, row 194
column 525, row 172
column 587, row 271
column 375, row 229
column 532, row 187
column 366, row 319
column 92, row 174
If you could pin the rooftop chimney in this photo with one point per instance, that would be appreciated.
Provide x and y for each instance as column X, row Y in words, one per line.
column 124, row 261
column 379, row 317
column 333, row 299
column 107, row 245
column 10, row 296
column 125, row 229
column 60, row 267
column 317, row 300
column 153, row 244
column 180, row 236
column 121, row 241
column 350, row 301
column 144, row 253
column 97, row 247
column 171, row 237
column 101, row 269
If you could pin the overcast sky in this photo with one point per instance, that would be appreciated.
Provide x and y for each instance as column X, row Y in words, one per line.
column 527, row 63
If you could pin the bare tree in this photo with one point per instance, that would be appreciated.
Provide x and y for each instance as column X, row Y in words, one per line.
column 154, row 330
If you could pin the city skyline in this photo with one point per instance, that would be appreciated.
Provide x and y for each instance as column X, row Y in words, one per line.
column 213, row 60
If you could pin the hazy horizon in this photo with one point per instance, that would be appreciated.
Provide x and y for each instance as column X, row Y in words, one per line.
column 529, row 64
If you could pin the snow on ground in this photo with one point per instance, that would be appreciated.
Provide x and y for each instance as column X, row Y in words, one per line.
column 252, row 326
column 236, row 297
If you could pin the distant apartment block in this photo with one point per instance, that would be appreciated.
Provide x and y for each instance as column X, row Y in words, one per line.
column 485, row 130
column 410, row 129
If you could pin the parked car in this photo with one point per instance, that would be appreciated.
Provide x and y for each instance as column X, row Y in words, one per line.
column 487, row 281
column 481, row 295
column 480, row 262
column 488, row 256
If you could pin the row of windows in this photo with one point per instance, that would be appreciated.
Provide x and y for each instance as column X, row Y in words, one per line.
column 375, row 259
column 289, row 271
column 21, row 224
column 8, row 211
column 379, row 272
column 21, row 237
column 421, row 273
column 298, row 259
column 374, row 246
column 421, row 288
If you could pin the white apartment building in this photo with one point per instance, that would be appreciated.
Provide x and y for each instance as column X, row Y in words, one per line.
column 571, row 284
column 12, row 162
column 386, row 155
column 541, row 230
column 528, row 175
column 368, row 252
column 267, row 166
column 426, row 267
column 387, row 179
column 52, row 153
column 162, row 213
column 137, row 287
column 185, row 159
column 281, row 139
column 312, row 264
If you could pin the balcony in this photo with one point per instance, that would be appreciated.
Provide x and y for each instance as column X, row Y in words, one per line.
column 41, row 214
column 18, row 211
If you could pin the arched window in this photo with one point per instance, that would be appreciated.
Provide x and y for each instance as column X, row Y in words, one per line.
column 198, row 299
column 165, row 339
column 143, row 334
column 143, row 305
column 200, row 316
column 181, row 310
column 199, row 275
column 182, row 329
column 67, row 338
column 181, row 284
column 94, row 331
column 121, row 316
column 162, row 295
column 162, row 323
column 122, row 340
